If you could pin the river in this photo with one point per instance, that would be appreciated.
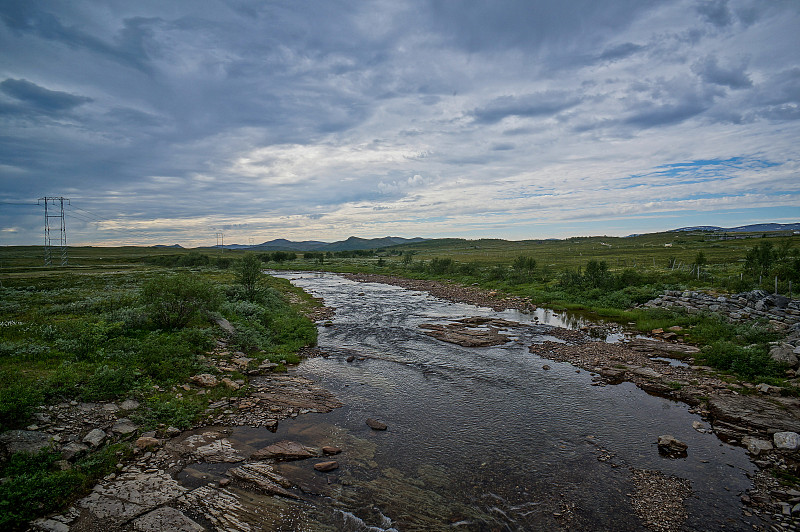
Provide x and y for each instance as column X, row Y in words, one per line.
column 487, row 438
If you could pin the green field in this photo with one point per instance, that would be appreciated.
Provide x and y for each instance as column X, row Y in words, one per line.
column 112, row 326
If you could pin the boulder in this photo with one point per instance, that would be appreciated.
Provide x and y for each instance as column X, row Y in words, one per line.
column 73, row 449
column 284, row 450
column 326, row 466
column 29, row 441
column 671, row 446
column 123, row 426
column 784, row 354
column 787, row 440
column 374, row 424
column 95, row 437
column 756, row 446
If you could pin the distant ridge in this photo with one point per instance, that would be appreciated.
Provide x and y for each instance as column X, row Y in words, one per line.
column 753, row 228
column 167, row 246
column 351, row 244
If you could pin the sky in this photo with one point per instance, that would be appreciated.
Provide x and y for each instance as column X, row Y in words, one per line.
column 170, row 122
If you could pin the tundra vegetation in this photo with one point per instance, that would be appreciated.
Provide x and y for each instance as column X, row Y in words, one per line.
column 123, row 324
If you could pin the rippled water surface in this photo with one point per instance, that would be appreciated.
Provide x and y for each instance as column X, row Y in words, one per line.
column 486, row 438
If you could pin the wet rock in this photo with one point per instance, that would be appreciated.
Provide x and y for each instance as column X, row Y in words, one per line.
column 613, row 375
column 374, row 424
column 166, row 518
column 471, row 332
column 124, row 426
column 204, row 379
column 95, row 437
column 787, row 440
column 29, row 441
column 545, row 367
column 262, row 476
column 326, row 466
column 146, row 442
column 330, row 451
column 671, row 446
column 284, row 450
column 351, row 358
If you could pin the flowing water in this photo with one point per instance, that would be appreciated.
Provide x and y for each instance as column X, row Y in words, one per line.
column 486, row 438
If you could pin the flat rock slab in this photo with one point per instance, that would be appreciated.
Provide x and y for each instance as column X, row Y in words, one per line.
column 778, row 413
column 471, row 332
column 29, row 441
column 131, row 494
column 262, row 476
column 285, row 450
column 166, row 518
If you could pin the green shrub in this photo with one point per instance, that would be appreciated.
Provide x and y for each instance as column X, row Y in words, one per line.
column 34, row 488
column 18, row 398
column 108, row 383
column 173, row 301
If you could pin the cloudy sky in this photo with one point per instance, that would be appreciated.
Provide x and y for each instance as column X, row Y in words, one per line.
column 166, row 122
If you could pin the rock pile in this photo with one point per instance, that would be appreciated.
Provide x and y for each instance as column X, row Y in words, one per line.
column 783, row 314
column 781, row 311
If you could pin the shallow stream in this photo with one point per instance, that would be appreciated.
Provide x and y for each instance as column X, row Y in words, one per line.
column 485, row 438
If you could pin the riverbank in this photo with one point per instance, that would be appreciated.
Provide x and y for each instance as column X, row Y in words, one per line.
column 739, row 413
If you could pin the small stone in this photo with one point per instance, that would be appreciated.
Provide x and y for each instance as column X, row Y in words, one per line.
column 224, row 482
column 73, row 449
column 330, row 451
column 326, row 466
column 374, row 424
column 230, row 384
column 545, row 367
column 351, row 358
column 171, row 432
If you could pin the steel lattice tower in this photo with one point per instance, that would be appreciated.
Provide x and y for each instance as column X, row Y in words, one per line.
column 62, row 229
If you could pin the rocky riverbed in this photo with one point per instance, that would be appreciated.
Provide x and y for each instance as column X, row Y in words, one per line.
column 206, row 478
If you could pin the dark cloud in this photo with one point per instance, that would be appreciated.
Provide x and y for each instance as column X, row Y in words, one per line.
column 40, row 99
column 530, row 105
column 620, row 51
column 711, row 72
column 716, row 12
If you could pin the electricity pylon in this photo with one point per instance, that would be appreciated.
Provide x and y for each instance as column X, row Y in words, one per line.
column 62, row 229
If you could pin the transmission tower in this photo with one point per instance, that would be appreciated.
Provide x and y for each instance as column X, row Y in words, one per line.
column 56, row 201
column 220, row 242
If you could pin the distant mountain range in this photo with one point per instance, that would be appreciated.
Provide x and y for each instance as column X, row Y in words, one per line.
column 351, row 244
column 754, row 228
